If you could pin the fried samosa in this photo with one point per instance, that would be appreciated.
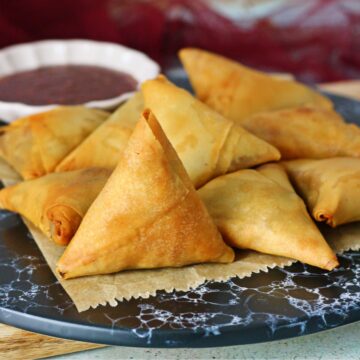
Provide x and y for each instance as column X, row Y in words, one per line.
column 237, row 92
column 306, row 132
column 147, row 216
column 208, row 144
column 57, row 202
column 34, row 145
column 330, row 187
column 104, row 146
column 259, row 210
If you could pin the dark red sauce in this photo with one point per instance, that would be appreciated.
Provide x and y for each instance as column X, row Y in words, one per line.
column 65, row 85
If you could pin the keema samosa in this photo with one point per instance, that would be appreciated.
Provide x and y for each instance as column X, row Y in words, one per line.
column 147, row 216
column 57, row 202
column 330, row 187
column 259, row 210
column 306, row 132
column 104, row 146
column 237, row 91
column 34, row 145
column 208, row 144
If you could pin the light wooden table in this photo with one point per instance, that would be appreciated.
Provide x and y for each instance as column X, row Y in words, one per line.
column 20, row 344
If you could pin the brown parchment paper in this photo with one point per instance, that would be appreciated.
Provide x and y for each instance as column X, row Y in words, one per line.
column 93, row 291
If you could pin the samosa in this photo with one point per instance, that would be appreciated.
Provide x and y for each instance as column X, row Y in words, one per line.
column 34, row 145
column 208, row 144
column 259, row 210
column 147, row 216
column 330, row 187
column 237, row 91
column 306, row 132
column 104, row 146
column 57, row 202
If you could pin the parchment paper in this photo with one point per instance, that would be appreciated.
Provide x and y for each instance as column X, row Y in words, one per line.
column 93, row 291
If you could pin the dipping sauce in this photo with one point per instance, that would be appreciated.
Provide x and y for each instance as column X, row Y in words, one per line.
column 65, row 85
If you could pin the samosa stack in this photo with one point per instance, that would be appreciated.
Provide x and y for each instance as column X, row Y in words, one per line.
column 187, row 180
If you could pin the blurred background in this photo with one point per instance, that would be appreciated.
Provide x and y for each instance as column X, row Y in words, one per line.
column 316, row 40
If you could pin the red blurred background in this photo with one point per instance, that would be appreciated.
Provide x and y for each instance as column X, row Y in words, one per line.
column 317, row 40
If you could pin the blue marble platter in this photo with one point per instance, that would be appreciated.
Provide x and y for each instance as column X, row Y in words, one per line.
column 282, row 303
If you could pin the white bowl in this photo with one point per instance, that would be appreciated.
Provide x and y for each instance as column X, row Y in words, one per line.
column 31, row 56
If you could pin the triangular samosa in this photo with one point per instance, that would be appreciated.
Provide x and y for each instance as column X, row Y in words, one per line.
column 57, row 202
column 237, row 91
column 34, row 145
column 330, row 187
column 259, row 210
column 306, row 132
column 208, row 144
column 103, row 147
column 147, row 216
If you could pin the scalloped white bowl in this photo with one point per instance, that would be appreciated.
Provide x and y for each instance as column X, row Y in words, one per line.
column 33, row 55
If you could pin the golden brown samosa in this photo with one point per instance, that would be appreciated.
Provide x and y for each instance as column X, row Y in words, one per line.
column 237, row 92
column 57, row 202
column 306, row 132
column 330, row 187
column 34, row 145
column 104, row 146
column 208, row 144
column 147, row 216
column 259, row 210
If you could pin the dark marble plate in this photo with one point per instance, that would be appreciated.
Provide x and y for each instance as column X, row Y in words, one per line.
column 282, row 303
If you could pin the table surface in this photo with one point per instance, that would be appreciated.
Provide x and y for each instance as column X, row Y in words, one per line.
column 340, row 343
